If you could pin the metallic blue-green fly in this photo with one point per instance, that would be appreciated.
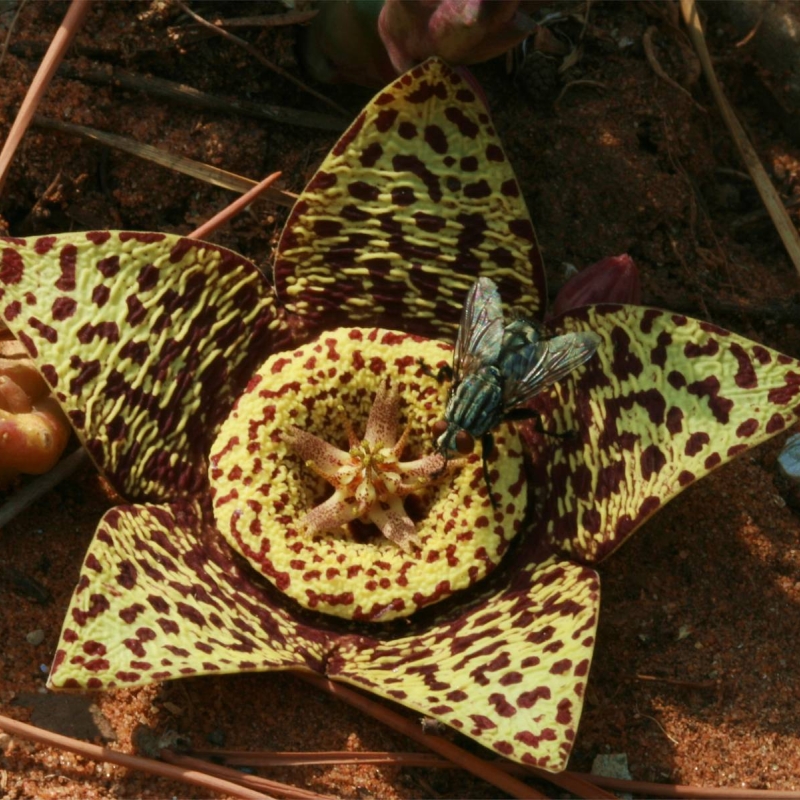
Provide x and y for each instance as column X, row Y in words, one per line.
column 497, row 368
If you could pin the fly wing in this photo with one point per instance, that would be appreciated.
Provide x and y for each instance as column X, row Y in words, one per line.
column 551, row 360
column 480, row 333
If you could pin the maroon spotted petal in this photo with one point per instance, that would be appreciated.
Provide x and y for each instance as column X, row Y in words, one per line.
column 145, row 340
column 160, row 596
column 665, row 400
column 509, row 671
column 413, row 203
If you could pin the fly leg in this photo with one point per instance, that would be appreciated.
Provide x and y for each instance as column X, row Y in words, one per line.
column 443, row 374
column 439, row 472
column 487, row 446
column 518, row 414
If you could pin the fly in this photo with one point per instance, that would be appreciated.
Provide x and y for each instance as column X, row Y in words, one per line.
column 497, row 368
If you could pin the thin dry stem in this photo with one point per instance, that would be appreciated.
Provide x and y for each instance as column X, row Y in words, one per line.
column 187, row 166
column 572, row 84
column 430, row 761
column 52, row 58
column 41, row 485
column 160, row 87
column 683, row 792
column 677, row 682
column 753, row 31
column 259, row 56
column 253, row 781
column 487, row 771
column 769, row 195
column 462, row 758
column 272, row 20
column 243, row 758
column 230, row 211
column 652, row 60
column 97, row 753
column 11, row 27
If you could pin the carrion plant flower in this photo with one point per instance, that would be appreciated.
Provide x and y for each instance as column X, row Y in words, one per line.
column 213, row 567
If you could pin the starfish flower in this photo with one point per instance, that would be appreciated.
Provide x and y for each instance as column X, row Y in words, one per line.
column 212, row 565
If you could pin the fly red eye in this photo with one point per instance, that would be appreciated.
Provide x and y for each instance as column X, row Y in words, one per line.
column 464, row 443
column 438, row 428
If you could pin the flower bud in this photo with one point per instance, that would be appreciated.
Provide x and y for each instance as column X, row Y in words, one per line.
column 611, row 280
column 369, row 43
column 32, row 443
column 33, row 428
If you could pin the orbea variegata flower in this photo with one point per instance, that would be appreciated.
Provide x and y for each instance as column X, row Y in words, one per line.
column 212, row 566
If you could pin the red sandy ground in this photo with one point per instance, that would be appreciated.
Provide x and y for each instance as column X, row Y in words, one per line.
column 705, row 600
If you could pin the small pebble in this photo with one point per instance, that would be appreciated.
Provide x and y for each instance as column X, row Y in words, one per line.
column 217, row 738
column 613, row 765
column 173, row 740
column 788, row 478
column 432, row 726
column 789, row 459
column 35, row 637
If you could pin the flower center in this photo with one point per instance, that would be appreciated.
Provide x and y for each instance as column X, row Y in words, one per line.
column 278, row 456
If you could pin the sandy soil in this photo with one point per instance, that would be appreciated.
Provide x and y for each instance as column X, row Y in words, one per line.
column 697, row 668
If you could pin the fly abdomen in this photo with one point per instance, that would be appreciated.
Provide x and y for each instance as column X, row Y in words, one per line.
column 475, row 404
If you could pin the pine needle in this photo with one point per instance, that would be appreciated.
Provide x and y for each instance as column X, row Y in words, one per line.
column 186, row 166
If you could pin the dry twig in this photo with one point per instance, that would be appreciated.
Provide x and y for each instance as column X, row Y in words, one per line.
column 243, row 758
column 487, row 771
column 652, row 60
column 661, row 727
column 753, row 31
column 105, row 754
column 10, row 31
column 769, row 195
column 462, row 758
column 207, row 228
column 187, row 166
column 761, row 214
column 253, row 781
column 271, row 20
column 41, row 485
column 160, row 87
column 259, row 56
column 52, row 58
column 677, row 682
column 430, row 761
column 682, row 792
column 572, row 84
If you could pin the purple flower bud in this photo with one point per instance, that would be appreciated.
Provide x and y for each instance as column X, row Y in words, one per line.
column 368, row 42
column 611, row 280
column 460, row 31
